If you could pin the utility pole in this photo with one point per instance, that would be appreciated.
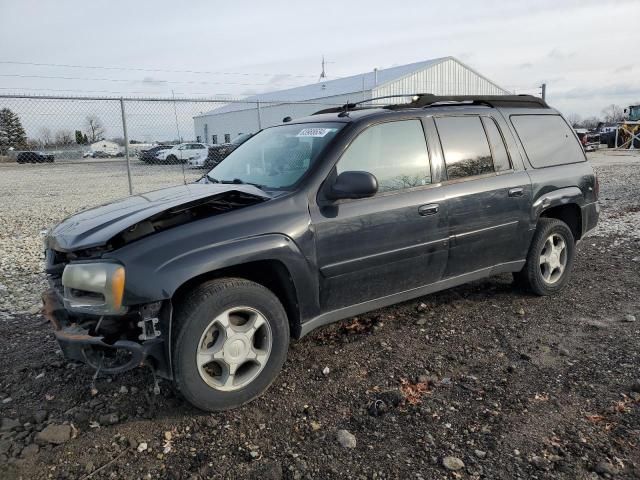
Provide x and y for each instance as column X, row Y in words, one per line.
column 323, row 74
column 543, row 87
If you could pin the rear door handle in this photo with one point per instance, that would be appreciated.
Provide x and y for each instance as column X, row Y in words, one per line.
column 430, row 209
column 516, row 192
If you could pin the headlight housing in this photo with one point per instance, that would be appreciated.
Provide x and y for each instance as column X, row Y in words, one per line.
column 96, row 288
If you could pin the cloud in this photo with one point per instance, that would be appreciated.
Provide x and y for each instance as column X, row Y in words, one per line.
column 616, row 90
column 557, row 54
column 624, row 69
column 153, row 81
column 525, row 65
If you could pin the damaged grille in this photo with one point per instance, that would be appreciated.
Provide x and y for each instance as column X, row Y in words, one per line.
column 54, row 266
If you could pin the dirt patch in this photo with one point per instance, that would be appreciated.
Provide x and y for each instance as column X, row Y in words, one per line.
column 516, row 386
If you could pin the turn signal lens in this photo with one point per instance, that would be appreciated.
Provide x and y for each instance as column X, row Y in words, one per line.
column 117, row 287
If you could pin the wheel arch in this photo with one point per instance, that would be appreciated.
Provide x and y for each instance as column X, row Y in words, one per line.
column 563, row 204
column 272, row 274
column 569, row 213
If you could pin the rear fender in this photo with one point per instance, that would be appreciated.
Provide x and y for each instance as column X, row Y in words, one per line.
column 561, row 196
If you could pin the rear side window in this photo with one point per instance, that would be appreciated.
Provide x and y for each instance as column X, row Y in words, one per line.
column 547, row 140
column 395, row 152
column 465, row 147
column 501, row 161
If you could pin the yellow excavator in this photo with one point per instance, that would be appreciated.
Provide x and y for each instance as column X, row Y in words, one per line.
column 628, row 133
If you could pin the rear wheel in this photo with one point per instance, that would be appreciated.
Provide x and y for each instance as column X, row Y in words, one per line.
column 232, row 342
column 550, row 258
column 172, row 159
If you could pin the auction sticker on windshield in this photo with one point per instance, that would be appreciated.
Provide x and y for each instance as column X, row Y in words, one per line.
column 315, row 132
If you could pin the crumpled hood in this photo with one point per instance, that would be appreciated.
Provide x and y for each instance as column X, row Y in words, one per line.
column 96, row 226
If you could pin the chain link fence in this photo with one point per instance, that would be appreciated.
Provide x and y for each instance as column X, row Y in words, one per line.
column 120, row 146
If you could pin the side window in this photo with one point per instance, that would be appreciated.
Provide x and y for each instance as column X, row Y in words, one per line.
column 465, row 147
column 499, row 153
column 547, row 140
column 395, row 152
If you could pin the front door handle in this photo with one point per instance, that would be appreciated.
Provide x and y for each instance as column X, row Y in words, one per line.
column 430, row 209
column 516, row 192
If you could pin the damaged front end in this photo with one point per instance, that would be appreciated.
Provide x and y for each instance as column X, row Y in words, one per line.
column 113, row 344
column 93, row 319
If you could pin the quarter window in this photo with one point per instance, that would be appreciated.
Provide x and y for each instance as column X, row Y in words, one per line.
column 465, row 147
column 501, row 161
column 547, row 140
column 395, row 152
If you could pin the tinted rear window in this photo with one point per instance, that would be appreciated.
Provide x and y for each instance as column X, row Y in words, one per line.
column 465, row 147
column 547, row 140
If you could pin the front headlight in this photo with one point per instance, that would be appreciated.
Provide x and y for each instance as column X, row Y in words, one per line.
column 96, row 288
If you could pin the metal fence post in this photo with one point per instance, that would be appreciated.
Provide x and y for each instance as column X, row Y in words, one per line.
column 126, row 144
column 259, row 116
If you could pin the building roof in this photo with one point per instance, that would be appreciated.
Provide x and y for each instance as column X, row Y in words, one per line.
column 330, row 88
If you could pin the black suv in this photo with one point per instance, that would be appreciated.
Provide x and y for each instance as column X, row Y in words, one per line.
column 149, row 155
column 313, row 221
column 35, row 157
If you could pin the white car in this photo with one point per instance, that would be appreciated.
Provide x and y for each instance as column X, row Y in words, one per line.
column 192, row 153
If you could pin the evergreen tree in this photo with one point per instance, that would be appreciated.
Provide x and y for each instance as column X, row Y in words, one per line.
column 11, row 132
column 85, row 140
column 79, row 139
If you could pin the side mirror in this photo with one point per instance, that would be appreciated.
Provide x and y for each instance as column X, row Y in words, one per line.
column 353, row 184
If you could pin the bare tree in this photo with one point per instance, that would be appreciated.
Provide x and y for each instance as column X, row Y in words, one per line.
column 574, row 120
column 46, row 137
column 613, row 113
column 95, row 128
column 64, row 137
column 591, row 122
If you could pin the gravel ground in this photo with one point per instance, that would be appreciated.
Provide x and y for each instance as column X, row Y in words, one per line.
column 480, row 381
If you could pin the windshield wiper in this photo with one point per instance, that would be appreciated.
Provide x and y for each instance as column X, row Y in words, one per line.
column 239, row 181
column 211, row 179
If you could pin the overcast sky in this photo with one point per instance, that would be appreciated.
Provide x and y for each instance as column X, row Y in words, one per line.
column 586, row 51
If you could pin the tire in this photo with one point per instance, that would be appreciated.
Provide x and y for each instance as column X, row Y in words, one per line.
column 206, row 386
column 539, row 278
column 172, row 159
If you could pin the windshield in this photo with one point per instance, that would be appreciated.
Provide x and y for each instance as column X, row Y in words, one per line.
column 276, row 158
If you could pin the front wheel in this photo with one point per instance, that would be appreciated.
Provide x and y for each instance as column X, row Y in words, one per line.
column 550, row 258
column 172, row 159
column 233, row 337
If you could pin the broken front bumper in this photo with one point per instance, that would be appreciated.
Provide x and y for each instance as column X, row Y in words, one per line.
column 78, row 344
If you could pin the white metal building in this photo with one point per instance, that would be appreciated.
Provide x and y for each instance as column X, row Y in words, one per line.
column 440, row 76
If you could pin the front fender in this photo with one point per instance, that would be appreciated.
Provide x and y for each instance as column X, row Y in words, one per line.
column 148, row 280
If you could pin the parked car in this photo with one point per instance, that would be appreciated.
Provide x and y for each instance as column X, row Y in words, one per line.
column 35, row 157
column 219, row 152
column 313, row 221
column 99, row 154
column 590, row 140
column 150, row 155
column 183, row 152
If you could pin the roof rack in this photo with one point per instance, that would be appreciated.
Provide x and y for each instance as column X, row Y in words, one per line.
column 424, row 100
column 505, row 101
